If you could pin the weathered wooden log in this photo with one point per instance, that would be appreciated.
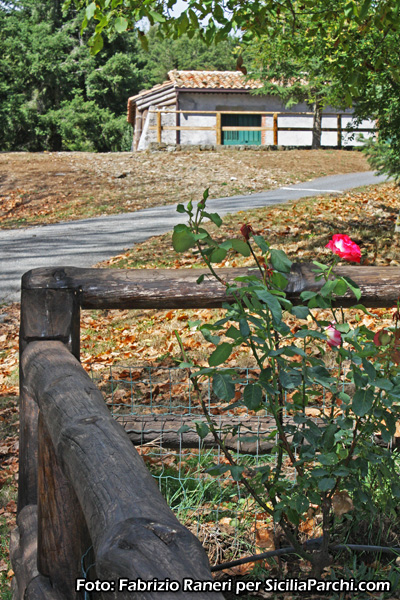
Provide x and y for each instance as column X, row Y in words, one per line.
column 28, row 448
column 134, row 532
column 23, row 550
column 45, row 314
column 60, row 517
column 40, row 588
column 177, row 288
column 163, row 429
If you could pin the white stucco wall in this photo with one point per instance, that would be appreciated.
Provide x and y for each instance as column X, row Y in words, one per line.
column 220, row 101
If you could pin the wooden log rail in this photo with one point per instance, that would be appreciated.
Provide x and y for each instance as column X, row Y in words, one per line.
column 276, row 128
column 81, row 482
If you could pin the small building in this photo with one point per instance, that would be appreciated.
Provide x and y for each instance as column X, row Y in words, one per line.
column 213, row 108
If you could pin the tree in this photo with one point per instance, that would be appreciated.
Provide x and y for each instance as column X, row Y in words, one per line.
column 295, row 71
column 47, row 72
column 184, row 53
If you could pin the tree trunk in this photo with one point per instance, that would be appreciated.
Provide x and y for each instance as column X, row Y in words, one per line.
column 317, row 123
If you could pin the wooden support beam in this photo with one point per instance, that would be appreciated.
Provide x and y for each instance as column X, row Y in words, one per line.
column 46, row 314
column 23, row 550
column 60, row 518
column 275, row 128
column 339, row 131
column 177, row 288
column 218, row 129
column 159, row 127
column 133, row 530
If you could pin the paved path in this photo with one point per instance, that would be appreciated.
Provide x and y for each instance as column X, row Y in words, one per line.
column 86, row 242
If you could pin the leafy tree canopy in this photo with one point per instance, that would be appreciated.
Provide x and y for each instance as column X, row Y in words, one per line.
column 55, row 95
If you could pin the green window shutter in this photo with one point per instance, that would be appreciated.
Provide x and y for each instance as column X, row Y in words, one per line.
column 241, row 138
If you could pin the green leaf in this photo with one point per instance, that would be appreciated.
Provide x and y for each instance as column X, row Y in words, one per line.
column 253, row 396
column 157, row 17
column 200, row 279
column 214, row 217
column 120, row 24
column 279, row 280
column 340, row 287
column 183, row 429
column 369, row 369
column 241, row 246
column 180, row 208
column 301, row 312
column 326, row 484
column 383, row 384
column 291, row 380
column 244, row 327
column 90, row 10
column 261, row 243
column 220, row 354
column 362, row 402
column 96, row 43
column 183, row 240
column 218, row 255
column 223, row 387
column 280, row 261
column 217, row 470
column 202, row 429
column 233, row 333
column 303, row 333
column 236, row 472
column 206, row 194
column 213, row 339
column 354, row 287
column 272, row 302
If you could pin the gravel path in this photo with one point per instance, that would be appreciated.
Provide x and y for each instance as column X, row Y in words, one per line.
column 89, row 241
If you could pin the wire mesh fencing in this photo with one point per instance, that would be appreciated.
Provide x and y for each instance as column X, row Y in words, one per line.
column 159, row 409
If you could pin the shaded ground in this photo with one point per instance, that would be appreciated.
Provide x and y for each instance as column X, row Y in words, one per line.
column 38, row 188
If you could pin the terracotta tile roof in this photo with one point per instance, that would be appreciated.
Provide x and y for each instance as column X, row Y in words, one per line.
column 223, row 80
column 212, row 79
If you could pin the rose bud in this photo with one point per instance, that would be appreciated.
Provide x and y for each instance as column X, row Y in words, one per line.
column 246, row 230
column 334, row 336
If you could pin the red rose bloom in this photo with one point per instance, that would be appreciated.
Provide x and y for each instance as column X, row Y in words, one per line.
column 344, row 247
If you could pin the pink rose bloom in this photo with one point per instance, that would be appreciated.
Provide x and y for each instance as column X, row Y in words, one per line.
column 334, row 336
column 344, row 247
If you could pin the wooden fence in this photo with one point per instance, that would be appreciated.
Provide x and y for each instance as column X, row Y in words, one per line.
column 81, row 482
column 276, row 128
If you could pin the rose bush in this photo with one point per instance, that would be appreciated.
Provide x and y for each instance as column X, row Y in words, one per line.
column 317, row 461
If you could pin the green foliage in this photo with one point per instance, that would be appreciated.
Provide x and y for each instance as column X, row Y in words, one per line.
column 183, row 53
column 315, row 461
column 53, row 94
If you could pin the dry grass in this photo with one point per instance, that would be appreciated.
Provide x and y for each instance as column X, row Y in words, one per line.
column 50, row 187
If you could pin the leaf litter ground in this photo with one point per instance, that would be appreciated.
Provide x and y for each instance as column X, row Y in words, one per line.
column 110, row 337
column 50, row 187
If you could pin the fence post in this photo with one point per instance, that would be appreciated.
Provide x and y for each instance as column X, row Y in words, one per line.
column 45, row 315
column 60, row 519
column 275, row 125
column 339, row 131
column 158, row 127
column 218, row 132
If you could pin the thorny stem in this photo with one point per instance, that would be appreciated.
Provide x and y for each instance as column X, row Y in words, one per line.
column 228, row 456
